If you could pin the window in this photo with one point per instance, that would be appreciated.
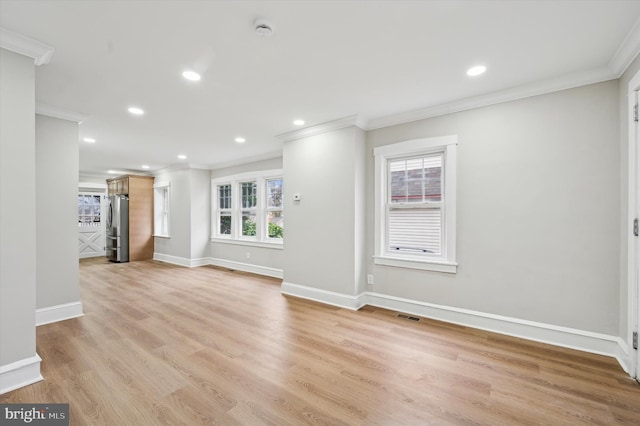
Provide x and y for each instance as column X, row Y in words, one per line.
column 161, row 207
column 275, row 219
column 415, row 204
column 248, row 208
column 88, row 209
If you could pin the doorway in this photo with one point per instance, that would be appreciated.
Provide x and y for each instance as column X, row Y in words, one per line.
column 91, row 220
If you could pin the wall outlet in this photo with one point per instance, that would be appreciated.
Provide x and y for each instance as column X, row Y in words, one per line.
column 369, row 279
column 248, row 255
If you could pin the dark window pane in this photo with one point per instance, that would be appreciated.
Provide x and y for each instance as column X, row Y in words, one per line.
column 225, row 224
column 249, row 191
column 416, row 180
column 224, row 196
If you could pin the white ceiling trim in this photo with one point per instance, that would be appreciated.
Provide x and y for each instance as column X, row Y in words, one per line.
column 27, row 46
column 318, row 129
column 247, row 160
column 178, row 167
column 51, row 111
column 520, row 92
column 627, row 51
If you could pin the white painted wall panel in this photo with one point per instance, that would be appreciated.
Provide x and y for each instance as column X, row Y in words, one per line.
column 538, row 210
column 57, row 212
column 17, row 208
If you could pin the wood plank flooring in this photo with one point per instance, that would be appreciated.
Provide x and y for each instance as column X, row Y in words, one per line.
column 166, row 345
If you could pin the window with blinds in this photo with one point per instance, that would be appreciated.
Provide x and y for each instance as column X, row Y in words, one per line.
column 415, row 208
column 414, row 205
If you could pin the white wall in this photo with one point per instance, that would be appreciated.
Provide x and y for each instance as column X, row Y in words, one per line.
column 179, row 245
column 236, row 255
column 625, row 226
column 538, row 211
column 17, row 219
column 56, row 212
column 189, row 225
column 323, row 234
column 200, row 188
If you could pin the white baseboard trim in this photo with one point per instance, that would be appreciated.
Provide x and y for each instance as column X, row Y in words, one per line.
column 246, row 267
column 587, row 341
column 176, row 260
column 223, row 263
column 328, row 297
column 89, row 255
column 58, row 313
column 20, row 373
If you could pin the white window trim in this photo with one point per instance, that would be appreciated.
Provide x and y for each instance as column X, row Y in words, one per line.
column 447, row 261
column 162, row 185
column 261, row 238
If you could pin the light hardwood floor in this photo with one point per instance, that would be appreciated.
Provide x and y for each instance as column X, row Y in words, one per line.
column 162, row 344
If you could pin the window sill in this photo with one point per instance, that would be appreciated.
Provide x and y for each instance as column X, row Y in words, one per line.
column 425, row 265
column 263, row 244
column 162, row 236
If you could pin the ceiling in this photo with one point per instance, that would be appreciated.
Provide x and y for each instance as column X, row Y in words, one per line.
column 384, row 61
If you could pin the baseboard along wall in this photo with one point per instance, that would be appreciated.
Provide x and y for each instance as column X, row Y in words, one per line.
column 58, row 313
column 20, row 373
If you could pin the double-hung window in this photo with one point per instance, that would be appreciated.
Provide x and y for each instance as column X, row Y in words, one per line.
column 415, row 204
column 248, row 208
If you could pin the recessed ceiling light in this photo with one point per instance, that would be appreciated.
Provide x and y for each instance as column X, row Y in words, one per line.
column 182, row 157
column 136, row 110
column 191, row 75
column 477, row 70
column 145, row 166
column 89, row 140
column 112, row 172
column 298, row 122
column 241, row 140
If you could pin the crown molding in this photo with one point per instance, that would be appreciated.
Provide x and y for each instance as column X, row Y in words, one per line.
column 318, row 129
column 178, row 167
column 627, row 51
column 248, row 160
column 27, row 46
column 51, row 111
column 520, row 92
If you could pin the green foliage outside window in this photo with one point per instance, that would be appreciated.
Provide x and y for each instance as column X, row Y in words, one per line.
column 249, row 229
column 275, row 231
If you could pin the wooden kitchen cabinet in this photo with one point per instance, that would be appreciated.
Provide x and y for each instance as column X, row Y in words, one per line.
column 140, row 192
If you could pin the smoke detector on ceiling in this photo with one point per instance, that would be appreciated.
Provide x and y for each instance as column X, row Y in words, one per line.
column 263, row 27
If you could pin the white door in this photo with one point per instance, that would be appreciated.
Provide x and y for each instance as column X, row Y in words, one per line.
column 91, row 228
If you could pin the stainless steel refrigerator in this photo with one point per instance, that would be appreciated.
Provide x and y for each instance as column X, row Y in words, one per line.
column 118, row 228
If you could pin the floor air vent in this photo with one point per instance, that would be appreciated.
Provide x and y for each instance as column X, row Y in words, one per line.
column 408, row 317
